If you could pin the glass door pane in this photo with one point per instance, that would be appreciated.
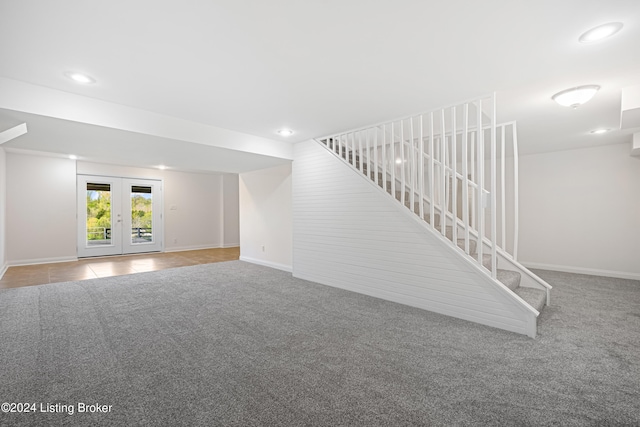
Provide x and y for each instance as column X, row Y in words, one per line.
column 141, row 214
column 142, row 225
column 99, row 214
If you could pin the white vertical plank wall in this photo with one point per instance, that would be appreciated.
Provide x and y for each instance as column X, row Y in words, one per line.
column 350, row 234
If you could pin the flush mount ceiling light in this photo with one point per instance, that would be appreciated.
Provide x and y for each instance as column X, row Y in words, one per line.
column 599, row 131
column 285, row 132
column 73, row 157
column 162, row 167
column 600, row 32
column 80, row 77
column 575, row 96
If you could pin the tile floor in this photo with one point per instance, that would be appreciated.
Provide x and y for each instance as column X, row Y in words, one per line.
column 91, row 268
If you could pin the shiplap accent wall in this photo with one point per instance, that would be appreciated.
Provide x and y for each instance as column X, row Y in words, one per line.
column 350, row 235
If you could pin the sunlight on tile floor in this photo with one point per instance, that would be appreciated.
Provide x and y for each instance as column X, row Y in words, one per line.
column 91, row 268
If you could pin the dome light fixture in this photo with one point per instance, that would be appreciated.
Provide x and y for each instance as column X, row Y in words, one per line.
column 600, row 32
column 285, row 132
column 575, row 96
column 80, row 77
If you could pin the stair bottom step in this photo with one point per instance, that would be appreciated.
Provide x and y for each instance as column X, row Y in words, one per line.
column 536, row 298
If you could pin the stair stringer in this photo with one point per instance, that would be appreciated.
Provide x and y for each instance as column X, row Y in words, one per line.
column 349, row 233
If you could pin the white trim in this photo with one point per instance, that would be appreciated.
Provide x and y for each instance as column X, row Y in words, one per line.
column 25, row 152
column 581, row 270
column 287, row 268
column 152, row 178
column 3, row 270
column 199, row 247
column 193, row 248
column 41, row 261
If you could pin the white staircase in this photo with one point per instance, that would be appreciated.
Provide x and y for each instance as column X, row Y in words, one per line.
column 456, row 170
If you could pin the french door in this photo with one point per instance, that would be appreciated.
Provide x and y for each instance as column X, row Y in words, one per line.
column 118, row 215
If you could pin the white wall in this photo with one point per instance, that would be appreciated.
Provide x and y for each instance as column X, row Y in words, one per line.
column 33, row 181
column 231, row 213
column 41, row 209
column 265, row 217
column 3, row 205
column 196, row 220
column 580, row 211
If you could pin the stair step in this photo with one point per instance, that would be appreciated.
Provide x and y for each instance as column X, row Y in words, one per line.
column 436, row 217
column 399, row 195
column 536, row 298
column 472, row 246
column 486, row 261
column 511, row 279
column 372, row 175
column 416, row 205
column 449, row 232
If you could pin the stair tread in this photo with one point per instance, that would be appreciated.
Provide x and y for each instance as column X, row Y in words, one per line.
column 472, row 246
column 511, row 279
column 536, row 298
column 486, row 261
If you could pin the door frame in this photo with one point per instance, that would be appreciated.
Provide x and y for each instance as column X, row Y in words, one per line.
column 120, row 205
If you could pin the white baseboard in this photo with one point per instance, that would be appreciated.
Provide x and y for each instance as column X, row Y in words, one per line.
column 3, row 270
column 581, row 270
column 191, row 248
column 230, row 245
column 275, row 265
column 41, row 261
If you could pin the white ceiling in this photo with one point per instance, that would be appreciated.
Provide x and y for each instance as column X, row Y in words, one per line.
column 323, row 66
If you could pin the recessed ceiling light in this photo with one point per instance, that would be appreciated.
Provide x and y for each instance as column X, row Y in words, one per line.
column 285, row 132
column 575, row 96
column 73, row 157
column 599, row 131
column 80, row 77
column 600, row 32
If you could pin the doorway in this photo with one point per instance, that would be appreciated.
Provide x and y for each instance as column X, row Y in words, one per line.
column 119, row 215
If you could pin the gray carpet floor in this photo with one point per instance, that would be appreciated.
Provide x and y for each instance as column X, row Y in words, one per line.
column 238, row 344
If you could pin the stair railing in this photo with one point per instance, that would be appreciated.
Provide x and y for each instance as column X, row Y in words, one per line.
column 445, row 164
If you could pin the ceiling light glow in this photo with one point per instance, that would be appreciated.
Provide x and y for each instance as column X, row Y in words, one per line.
column 575, row 96
column 162, row 167
column 73, row 157
column 285, row 132
column 80, row 77
column 599, row 131
column 600, row 32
